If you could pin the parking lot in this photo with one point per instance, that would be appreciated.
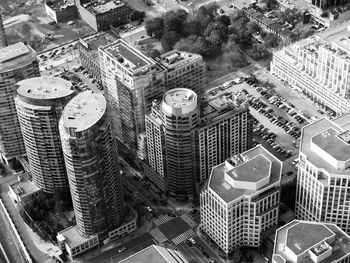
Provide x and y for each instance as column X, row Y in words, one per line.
column 80, row 79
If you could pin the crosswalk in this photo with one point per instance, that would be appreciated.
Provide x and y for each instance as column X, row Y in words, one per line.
column 162, row 220
column 188, row 220
column 158, row 235
column 181, row 238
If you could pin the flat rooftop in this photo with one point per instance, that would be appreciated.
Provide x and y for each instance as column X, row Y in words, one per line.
column 180, row 98
column 15, row 56
column 300, row 236
column 104, row 6
column 330, row 142
column 128, row 56
column 227, row 192
column 253, row 170
column 155, row 254
column 176, row 58
column 84, row 111
column 318, row 127
column 13, row 51
column 24, row 187
column 73, row 237
column 45, row 88
column 98, row 41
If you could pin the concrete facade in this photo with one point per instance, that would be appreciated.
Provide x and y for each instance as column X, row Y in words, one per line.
column 17, row 62
column 39, row 103
column 241, row 199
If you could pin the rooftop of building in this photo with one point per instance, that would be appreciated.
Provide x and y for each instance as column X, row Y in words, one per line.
column 84, row 111
column 59, row 4
column 128, row 56
column 324, row 133
column 253, row 170
column 24, row 187
column 179, row 99
column 155, row 254
column 176, row 58
column 219, row 184
column 102, row 6
column 334, row 143
column 224, row 100
column 99, row 40
column 73, row 237
column 303, row 236
column 15, row 55
column 45, row 88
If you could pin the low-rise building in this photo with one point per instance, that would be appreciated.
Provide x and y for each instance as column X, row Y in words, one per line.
column 311, row 242
column 268, row 25
column 24, row 190
column 156, row 254
column 100, row 15
column 241, row 199
column 74, row 243
column 61, row 10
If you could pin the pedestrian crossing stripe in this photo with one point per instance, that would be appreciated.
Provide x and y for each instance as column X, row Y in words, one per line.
column 181, row 238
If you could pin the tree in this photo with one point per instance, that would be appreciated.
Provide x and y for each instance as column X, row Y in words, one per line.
column 216, row 33
column 136, row 15
column 258, row 51
column 194, row 44
column 169, row 39
column 225, row 20
column 252, row 27
column 271, row 40
column 302, row 31
column 175, row 21
column 155, row 27
column 193, row 27
column 154, row 53
column 271, row 4
column 237, row 58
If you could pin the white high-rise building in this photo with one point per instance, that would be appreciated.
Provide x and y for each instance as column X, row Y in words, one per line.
column 311, row 242
column 241, row 199
column 39, row 103
column 323, row 185
column 319, row 68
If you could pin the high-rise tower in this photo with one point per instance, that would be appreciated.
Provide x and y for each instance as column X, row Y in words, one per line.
column 91, row 159
column 240, row 200
column 17, row 62
column 39, row 103
column 323, row 185
column 174, row 123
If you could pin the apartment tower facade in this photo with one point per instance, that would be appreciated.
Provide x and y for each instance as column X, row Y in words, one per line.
column 131, row 82
column 241, row 199
column 17, row 62
column 39, row 103
column 173, row 146
column 322, row 193
column 91, row 159
column 319, row 68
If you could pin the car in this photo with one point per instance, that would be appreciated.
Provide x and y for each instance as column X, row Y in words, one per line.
column 121, row 249
column 192, row 241
column 148, row 209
